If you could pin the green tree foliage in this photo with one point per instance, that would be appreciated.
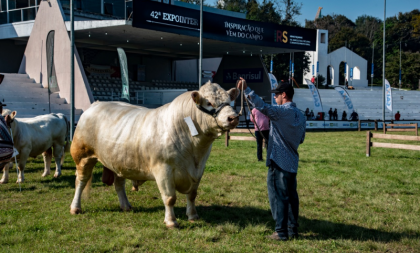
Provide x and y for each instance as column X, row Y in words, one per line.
column 332, row 23
column 368, row 26
column 410, row 63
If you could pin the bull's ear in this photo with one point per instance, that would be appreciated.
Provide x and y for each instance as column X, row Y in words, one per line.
column 13, row 114
column 233, row 94
column 195, row 95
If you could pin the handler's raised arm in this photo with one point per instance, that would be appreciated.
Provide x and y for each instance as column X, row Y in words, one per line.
column 273, row 112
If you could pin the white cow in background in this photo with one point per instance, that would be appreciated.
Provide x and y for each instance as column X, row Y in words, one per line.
column 35, row 136
column 144, row 144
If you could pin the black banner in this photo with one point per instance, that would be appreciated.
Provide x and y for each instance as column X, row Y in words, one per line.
column 174, row 19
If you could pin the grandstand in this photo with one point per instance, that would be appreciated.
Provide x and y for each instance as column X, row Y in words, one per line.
column 367, row 103
column 30, row 99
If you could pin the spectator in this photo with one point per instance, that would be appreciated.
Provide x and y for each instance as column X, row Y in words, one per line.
column 307, row 114
column 344, row 116
column 397, row 115
column 313, row 80
column 335, row 114
column 312, row 115
column 354, row 116
column 263, row 122
column 330, row 114
column 6, row 150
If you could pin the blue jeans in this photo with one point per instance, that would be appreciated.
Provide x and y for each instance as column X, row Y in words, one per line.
column 284, row 200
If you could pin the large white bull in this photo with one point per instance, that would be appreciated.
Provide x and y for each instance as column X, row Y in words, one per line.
column 35, row 136
column 153, row 144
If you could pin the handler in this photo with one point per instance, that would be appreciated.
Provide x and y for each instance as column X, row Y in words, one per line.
column 287, row 131
column 6, row 144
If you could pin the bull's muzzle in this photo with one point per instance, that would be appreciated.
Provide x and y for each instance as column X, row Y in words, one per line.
column 233, row 121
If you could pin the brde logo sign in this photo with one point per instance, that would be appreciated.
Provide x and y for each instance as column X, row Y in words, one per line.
column 254, row 75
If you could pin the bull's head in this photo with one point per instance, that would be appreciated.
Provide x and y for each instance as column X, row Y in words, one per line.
column 215, row 101
column 9, row 117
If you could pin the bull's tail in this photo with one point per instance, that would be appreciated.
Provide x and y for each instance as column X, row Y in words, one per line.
column 67, row 146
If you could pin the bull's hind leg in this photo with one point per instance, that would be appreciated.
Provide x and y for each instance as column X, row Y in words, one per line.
column 47, row 155
column 62, row 157
column 83, row 178
column 58, row 154
column 166, row 184
column 119, row 184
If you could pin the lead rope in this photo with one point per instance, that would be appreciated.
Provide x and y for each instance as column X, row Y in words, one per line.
column 250, row 112
column 17, row 169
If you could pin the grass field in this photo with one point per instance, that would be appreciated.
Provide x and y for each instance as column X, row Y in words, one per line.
column 348, row 203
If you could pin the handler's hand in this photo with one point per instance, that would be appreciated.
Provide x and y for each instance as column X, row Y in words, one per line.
column 241, row 82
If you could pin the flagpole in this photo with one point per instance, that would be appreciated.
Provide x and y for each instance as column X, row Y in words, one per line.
column 383, row 69
column 72, row 69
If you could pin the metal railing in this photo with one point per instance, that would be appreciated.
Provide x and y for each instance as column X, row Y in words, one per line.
column 18, row 15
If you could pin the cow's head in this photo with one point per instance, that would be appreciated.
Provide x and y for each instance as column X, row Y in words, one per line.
column 213, row 100
column 9, row 117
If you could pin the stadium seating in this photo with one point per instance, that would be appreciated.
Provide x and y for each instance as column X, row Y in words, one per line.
column 367, row 103
column 106, row 88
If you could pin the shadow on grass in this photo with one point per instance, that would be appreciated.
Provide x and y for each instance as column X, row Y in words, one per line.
column 310, row 229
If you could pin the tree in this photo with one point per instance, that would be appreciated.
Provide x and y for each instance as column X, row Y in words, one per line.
column 368, row 26
column 332, row 23
column 289, row 10
column 410, row 64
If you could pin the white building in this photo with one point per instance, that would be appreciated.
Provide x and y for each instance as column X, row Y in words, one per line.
column 355, row 64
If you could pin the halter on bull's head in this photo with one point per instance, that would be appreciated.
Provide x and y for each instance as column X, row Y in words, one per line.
column 213, row 100
column 9, row 117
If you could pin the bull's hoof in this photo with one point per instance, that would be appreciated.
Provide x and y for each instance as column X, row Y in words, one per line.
column 192, row 218
column 126, row 209
column 172, row 225
column 135, row 188
column 75, row 210
column 4, row 181
column 57, row 174
column 19, row 181
column 45, row 174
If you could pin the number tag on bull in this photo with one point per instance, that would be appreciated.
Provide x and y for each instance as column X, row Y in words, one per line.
column 191, row 126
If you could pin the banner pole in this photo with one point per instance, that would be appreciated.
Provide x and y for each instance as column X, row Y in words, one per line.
column 200, row 67
column 72, row 123
column 383, row 68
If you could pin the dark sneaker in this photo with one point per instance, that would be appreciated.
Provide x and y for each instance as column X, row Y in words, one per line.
column 260, row 160
column 275, row 236
column 293, row 233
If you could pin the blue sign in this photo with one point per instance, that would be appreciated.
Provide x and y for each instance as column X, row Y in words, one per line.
column 345, row 67
column 250, row 75
column 317, row 67
column 290, row 66
column 400, row 75
column 313, row 69
column 372, row 70
column 293, row 67
column 351, row 72
column 271, row 67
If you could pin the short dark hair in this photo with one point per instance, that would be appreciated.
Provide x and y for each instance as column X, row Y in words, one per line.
column 290, row 93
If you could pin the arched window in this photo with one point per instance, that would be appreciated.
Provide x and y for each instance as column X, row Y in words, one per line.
column 356, row 73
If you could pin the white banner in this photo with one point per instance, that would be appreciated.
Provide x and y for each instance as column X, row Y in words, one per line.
column 388, row 95
column 274, row 83
column 338, row 124
column 346, row 97
column 316, row 97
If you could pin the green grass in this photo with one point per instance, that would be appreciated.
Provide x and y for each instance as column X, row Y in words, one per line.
column 348, row 203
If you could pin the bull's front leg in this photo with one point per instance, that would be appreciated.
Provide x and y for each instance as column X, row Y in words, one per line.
column 6, row 167
column 58, row 153
column 47, row 155
column 191, row 211
column 119, row 184
column 166, row 184
column 21, row 165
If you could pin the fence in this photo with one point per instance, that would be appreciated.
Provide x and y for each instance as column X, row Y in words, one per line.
column 359, row 127
column 238, row 138
column 370, row 144
column 406, row 128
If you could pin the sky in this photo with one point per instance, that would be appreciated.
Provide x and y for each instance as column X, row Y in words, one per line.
column 355, row 8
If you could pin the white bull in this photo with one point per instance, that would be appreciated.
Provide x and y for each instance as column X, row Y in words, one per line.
column 35, row 136
column 152, row 144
